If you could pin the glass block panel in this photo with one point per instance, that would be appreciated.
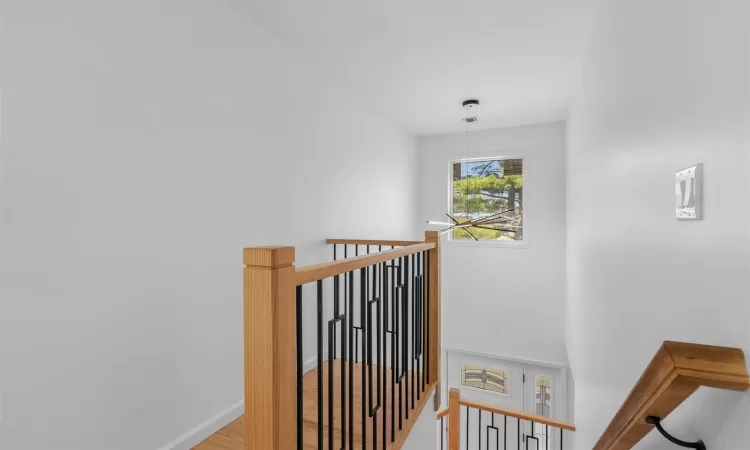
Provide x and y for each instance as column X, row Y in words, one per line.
column 487, row 378
column 543, row 396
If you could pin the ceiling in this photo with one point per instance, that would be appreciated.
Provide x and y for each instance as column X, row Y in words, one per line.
column 416, row 60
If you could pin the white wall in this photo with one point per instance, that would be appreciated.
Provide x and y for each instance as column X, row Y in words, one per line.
column 424, row 433
column 499, row 300
column 144, row 144
column 666, row 84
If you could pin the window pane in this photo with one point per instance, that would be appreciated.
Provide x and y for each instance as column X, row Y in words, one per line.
column 487, row 378
column 543, row 396
column 489, row 193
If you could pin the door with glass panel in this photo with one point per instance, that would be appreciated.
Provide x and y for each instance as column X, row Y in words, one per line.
column 493, row 382
column 530, row 388
column 543, row 396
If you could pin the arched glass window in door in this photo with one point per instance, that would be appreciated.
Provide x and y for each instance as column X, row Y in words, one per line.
column 486, row 378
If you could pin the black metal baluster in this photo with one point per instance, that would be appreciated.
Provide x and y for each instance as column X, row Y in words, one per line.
column 399, row 347
column 343, row 383
column 370, row 361
column 519, row 434
column 427, row 301
column 479, row 429
column 546, row 437
column 406, row 333
column 497, row 433
column 336, row 301
column 320, row 364
column 338, row 318
column 362, row 322
column 561, row 439
column 394, row 336
column 467, row 428
column 413, row 330
column 331, row 326
column 420, row 323
column 300, row 373
column 425, row 318
column 384, row 293
column 351, row 361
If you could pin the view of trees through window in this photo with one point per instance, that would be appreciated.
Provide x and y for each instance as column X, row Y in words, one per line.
column 489, row 193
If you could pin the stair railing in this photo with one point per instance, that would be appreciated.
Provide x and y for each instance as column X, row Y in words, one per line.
column 508, row 429
column 677, row 370
column 376, row 351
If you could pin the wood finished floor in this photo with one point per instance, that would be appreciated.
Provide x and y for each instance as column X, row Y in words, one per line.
column 231, row 437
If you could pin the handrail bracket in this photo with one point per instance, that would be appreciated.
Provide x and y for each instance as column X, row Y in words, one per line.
column 656, row 421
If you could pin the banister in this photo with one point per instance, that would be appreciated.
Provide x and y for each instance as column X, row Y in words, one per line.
column 372, row 242
column 275, row 380
column 677, row 370
column 454, row 430
column 316, row 272
column 518, row 414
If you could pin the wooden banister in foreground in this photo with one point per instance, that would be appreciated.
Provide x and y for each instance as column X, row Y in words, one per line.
column 677, row 370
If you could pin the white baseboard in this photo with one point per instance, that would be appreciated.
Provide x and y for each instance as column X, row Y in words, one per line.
column 207, row 428
column 312, row 363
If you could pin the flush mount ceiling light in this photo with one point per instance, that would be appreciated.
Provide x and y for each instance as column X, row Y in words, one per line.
column 492, row 221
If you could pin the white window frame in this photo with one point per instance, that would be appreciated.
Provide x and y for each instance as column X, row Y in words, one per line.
column 526, row 242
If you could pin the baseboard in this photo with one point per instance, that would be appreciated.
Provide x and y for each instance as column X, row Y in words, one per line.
column 312, row 363
column 207, row 428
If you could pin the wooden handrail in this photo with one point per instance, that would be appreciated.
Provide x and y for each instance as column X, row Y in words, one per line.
column 442, row 413
column 372, row 242
column 677, row 370
column 317, row 272
column 518, row 414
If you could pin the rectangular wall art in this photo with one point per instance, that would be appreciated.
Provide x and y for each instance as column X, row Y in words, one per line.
column 688, row 193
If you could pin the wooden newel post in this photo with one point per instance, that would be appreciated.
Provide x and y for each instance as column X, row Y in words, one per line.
column 454, row 419
column 435, row 349
column 270, row 354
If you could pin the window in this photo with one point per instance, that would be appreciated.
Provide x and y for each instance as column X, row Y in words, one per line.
column 487, row 378
column 489, row 194
column 543, row 396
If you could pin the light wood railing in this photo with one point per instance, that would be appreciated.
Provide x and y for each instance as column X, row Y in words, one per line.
column 677, row 370
column 454, row 411
column 372, row 242
column 271, row 322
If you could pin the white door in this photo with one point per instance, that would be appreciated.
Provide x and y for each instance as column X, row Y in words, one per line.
column 543, row 396
column 493, row 382
column 508, row 384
